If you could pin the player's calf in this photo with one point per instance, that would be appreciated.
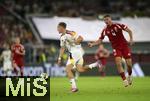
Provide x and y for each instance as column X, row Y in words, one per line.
column 71, row 77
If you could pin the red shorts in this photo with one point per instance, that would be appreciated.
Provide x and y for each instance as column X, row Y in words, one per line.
column 125, row 52
column 102, row 61
column 20, row 64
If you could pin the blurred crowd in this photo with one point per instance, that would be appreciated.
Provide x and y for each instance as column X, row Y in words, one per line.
column 75, row 8
column 10, row 26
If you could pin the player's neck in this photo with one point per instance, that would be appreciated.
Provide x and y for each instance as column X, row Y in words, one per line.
column 110, row 24
column 17, row 43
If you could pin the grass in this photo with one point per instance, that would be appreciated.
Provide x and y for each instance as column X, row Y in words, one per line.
column 98, row 89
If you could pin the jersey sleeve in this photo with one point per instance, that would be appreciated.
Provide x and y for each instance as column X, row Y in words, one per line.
column 73, row 34
column 122, row 26
column 102, row 36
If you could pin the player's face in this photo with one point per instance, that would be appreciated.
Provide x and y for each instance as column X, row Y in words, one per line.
column 17, row 41
column 108, row 21
column 101, row 47
column 60, row 29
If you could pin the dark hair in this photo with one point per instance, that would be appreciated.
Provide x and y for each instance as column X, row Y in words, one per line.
column 63, row 24
column 106, row 16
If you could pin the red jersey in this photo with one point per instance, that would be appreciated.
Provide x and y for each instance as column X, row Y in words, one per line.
column 115, row 35
column 17, row 58
column 98, row 54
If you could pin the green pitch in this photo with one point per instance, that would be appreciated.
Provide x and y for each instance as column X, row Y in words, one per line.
column 97, row 89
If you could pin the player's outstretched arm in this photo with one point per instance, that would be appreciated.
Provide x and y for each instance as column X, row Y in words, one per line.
column 61, row 52
column 130, row 35
column 20, row 53
column 94, row 43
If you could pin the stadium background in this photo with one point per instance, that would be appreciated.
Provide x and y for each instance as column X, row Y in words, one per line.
column 17, row 19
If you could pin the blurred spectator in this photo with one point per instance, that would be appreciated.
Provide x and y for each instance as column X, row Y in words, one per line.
column 10, row 27
column 75, row 8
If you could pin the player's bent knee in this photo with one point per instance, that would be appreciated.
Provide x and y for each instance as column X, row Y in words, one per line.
column 80, row 69
column 69, row 68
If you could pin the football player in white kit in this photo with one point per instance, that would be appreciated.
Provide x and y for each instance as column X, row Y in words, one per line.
column 6, row 57
column 71, row 42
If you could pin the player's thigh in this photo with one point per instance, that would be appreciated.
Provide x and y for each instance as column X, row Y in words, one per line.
column 129, row 61
column 80, row 68
column 126, row 52
column 14, row 64
column 118, row 61
column 69, row 67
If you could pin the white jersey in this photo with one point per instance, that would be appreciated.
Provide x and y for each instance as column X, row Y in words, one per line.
column 6, row 54
column 68, row 42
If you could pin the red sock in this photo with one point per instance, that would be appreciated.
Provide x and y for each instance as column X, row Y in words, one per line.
column 21, row 74
column 21, row 70
column 123, row 76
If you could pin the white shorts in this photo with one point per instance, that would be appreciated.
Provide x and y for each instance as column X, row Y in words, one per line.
column 76, row 57
column 74, row 62
column 7, row 66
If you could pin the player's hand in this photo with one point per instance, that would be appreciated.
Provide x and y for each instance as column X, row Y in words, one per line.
column 131, row 42
column 90, row 44
column 17, row 51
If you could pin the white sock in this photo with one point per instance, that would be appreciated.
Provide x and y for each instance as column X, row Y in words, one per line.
column 76, row 75
column 93, row 65
column 73, row 83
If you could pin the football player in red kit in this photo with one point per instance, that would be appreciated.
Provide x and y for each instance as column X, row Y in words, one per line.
column 18, row 53
column 101, row 56
column 114, row 31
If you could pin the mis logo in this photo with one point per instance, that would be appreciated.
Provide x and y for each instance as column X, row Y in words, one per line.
column 37, row 89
